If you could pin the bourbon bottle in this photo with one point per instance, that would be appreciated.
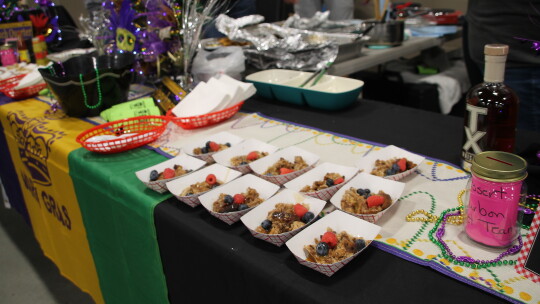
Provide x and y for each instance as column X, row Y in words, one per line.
column 491, row 110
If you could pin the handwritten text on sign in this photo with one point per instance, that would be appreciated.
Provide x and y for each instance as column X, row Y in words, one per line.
column 492, row 212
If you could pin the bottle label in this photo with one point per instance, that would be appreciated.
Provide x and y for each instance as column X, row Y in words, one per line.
column 472, row 133
column 492, row 212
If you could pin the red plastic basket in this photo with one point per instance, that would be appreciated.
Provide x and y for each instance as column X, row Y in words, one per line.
column 7, row 86
column 209, row 119
column 145, row 129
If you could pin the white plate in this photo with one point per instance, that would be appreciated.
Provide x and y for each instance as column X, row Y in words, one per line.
column 374, row 184
column 203, row 99
column 338, row 221
column 254, row 218
column 220, row 138
column 261, row 165
column 243, row 148
column 186, row 161
column 222, row 173
column 367, row 163
column 318, row 174
column 265, row 189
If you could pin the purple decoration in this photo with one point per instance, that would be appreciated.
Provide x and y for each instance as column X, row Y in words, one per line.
column 44, row 3
column 440, row 233
column 535, row 44
column 124, row 18
column 55, row 30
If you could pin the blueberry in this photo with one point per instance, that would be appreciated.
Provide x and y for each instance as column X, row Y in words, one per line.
column 266, row 225
column 228, row 199
column 359, row 244
column 204, row 150
column 243, row 207
column 360, row 191
column 322, row 249
column 308, row 216
column 395, row 167
column 243, row 163
column 154, row 175
column 228, row 144
column 207, row 145
column 367, row 191
column 329, row 182
column 388, row 172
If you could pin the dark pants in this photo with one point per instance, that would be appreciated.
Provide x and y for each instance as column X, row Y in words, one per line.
column 526, row 84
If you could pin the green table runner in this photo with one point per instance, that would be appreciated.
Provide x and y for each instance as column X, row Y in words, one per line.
column 118, row 215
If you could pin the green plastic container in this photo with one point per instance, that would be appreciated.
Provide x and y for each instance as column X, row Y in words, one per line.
column 330, row 93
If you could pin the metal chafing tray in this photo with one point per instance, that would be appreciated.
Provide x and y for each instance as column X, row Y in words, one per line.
column 349, row 45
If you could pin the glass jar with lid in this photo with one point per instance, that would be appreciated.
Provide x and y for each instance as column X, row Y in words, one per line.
column 495, row 190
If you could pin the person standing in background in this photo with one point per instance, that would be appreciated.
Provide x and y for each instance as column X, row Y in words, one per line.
column 492, row 21
column 339, row 9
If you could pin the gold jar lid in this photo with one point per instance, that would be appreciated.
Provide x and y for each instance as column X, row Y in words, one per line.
column 499, row 166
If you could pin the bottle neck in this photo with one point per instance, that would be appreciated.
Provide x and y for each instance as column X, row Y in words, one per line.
column 494, row 69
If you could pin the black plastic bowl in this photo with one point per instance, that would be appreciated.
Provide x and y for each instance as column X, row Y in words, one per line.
column 115, row 76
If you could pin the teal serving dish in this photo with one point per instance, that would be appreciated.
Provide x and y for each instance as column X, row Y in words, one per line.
column 330, row 93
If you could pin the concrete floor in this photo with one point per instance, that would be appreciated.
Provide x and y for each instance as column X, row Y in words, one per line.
column 26, row 275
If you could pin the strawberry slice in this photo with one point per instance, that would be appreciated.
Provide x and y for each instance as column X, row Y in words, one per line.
column 285, row 171
column 239, row 199
column 375, row 200
column 253, row 155
column 168, row 173
column 330, row 239
column 300, row 210
column 402, row 163
column 214, row 146
column 338, row 181
column 211, row 179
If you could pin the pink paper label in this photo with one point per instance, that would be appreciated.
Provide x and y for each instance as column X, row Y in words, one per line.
column 492, row 212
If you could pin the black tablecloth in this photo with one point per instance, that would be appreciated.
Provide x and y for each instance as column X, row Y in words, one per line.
column 206, row 260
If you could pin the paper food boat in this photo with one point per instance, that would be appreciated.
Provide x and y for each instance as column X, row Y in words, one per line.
column 367, row 163
column 222, row 173
column 254, row 218
column 374, row 184
column 219, row 138
column 261, row 165
column 318, row 174
column 265, row 189
column 243, row 148
column 338, row 221
column 186, row 161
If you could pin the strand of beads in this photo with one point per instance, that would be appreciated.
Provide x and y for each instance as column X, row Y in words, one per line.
column 530, row 208
column 84, row 91
column 436, row 236
column 465, row 260
column 431, row 218
column 51, row 70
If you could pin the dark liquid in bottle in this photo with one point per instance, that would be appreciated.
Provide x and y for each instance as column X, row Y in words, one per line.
column 490, row 120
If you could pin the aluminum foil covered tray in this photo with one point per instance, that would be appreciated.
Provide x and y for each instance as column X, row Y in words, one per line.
column 289, row 48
